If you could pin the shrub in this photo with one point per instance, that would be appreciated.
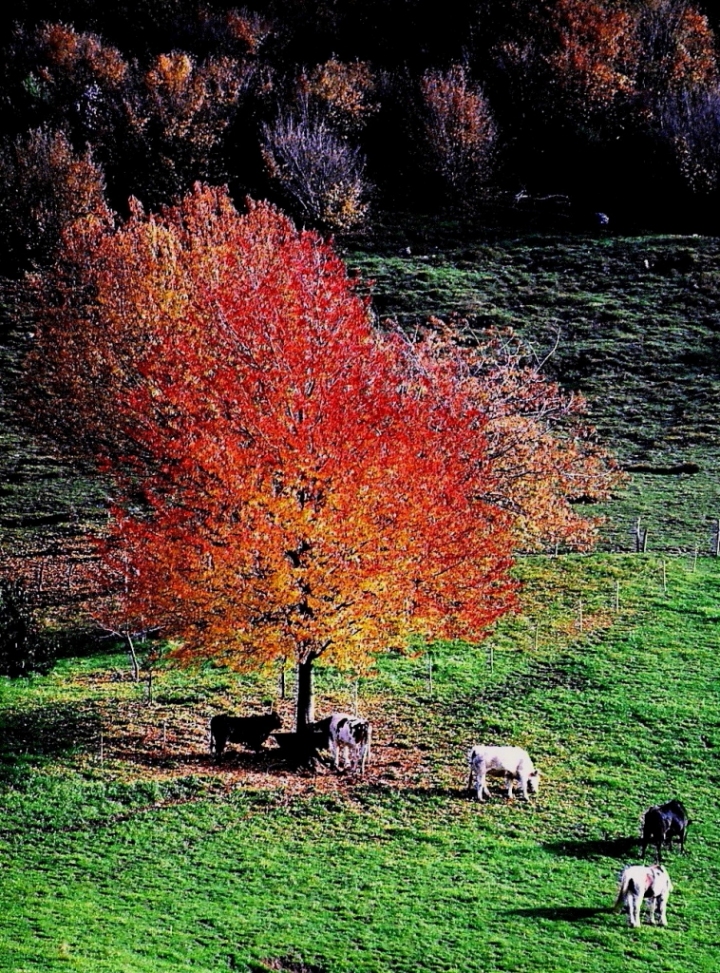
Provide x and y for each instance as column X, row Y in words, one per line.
column 69, row 80
column 689, row 125
column 45, row 186
column 179, row 115
column 318, row 170
column 346, row 91
column 458, row 129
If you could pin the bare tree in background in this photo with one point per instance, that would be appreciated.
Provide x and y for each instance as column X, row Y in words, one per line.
column 689, row 123
column 318, row 169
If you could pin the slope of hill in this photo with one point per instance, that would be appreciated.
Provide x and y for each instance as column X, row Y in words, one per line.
column 637, row 326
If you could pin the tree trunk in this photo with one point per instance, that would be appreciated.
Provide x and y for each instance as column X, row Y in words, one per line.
column 133, row 657
column 305, row 698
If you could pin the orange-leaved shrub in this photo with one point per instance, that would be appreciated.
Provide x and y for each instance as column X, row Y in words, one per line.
column 46, row 186
column 458, row 130
column 346, row 90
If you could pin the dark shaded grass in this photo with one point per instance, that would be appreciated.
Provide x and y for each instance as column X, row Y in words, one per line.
column 637, row 321
column 621, row 848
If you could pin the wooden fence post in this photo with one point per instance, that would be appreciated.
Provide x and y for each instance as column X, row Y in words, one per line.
column 641, row 536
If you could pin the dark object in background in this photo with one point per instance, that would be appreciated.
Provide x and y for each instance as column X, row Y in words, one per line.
column 24, row 647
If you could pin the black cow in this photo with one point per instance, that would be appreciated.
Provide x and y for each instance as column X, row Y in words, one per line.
column 663, row 822
column 252, row 731
column 301, row 749
column 320, row 730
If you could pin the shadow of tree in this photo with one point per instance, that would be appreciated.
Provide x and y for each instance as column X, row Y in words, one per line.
column 43, row 733
column 562, row 913
column 381, row 787
column 80, row 642
column 597, row 848
column 136, row 749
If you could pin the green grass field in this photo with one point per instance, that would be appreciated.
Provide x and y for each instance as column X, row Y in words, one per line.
column 115, row 861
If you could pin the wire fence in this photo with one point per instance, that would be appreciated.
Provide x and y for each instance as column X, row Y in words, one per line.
column 645, row 535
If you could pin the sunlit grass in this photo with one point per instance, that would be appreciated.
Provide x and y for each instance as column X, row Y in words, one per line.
column 105, row 869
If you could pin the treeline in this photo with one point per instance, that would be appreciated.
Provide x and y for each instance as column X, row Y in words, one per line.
column 338, row 109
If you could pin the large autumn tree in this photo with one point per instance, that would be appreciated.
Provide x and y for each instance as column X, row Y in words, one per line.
column 289, row 482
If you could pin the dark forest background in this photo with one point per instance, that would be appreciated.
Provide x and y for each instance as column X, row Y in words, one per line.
column 581, row 111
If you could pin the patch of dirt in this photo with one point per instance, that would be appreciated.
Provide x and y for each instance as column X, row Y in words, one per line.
column 146, row 741
column 287, row 965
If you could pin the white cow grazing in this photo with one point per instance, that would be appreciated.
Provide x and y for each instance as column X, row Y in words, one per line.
column 512, row 763
column 351, row 735
column 642, row 882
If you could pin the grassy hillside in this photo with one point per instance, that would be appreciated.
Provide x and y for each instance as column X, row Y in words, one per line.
column 125, row 847
column 637, row 326
column 145, row 856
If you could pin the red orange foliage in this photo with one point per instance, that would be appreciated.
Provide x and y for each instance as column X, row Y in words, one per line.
column 595, row 52
column 346, row 90
column 289, row 480
column 543, row 452
column 47, row 187
column 585, row 60
column 67, row 56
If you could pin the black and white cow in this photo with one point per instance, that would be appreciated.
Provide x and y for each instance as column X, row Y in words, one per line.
column 251, row 731
column 642, row 883
column 345, row 735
